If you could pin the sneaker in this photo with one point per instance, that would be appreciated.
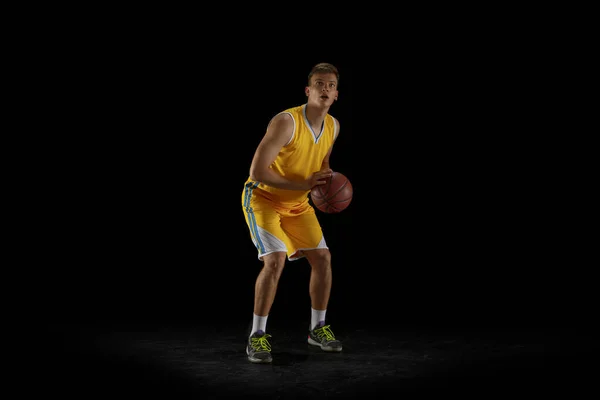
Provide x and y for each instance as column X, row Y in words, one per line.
column 258, row 348
column 323, row 337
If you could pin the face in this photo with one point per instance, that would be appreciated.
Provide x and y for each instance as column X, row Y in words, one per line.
column 322, row 89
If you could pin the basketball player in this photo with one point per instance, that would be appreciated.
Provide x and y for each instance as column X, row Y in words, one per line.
column 292, row 157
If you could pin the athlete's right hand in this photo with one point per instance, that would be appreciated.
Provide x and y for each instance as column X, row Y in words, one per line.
column 320, row 177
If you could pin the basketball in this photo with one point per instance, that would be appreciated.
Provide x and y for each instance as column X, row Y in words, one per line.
column 333, row 196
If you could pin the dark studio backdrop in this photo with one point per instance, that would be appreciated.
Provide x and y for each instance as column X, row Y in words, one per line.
column 454, row 220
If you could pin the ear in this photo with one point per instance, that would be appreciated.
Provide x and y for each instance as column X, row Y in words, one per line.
column 306, row 91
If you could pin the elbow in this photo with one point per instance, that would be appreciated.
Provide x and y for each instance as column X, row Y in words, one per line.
column 255, row 175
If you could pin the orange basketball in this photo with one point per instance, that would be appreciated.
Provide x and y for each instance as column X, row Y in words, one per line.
column 333, row 196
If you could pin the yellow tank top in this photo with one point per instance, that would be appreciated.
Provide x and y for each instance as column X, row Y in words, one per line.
column 300, row 157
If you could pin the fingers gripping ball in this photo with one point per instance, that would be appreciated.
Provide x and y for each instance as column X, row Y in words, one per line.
column 333, row 196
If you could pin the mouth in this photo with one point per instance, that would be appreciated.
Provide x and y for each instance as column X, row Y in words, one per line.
column 325, row 97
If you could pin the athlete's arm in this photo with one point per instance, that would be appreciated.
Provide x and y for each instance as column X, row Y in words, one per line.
column 279, row 132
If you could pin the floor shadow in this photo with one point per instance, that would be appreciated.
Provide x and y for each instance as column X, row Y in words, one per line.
column 189, row 360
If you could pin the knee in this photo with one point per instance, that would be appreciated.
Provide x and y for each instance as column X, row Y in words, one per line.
column 320, row 258
column 274, row 263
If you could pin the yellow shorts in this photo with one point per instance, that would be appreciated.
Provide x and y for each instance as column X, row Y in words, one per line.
column 276, row 227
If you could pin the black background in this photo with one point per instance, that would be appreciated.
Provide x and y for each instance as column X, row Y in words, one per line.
column 461, row 212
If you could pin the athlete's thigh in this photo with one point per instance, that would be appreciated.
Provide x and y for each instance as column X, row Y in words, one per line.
column 264, row 223
column 302, row 230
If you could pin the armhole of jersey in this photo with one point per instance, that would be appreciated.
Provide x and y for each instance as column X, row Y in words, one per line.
column 293, row 120
column 335, row 128
column 293, row 130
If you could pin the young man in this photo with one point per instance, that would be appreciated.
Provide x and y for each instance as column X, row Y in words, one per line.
column 292, row 157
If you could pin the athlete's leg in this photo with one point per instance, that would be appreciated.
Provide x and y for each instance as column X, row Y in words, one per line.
column 320, row 277
column 266, row 282
column 320, row 333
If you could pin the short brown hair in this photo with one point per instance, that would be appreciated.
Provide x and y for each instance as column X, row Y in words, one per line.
column 324, row 68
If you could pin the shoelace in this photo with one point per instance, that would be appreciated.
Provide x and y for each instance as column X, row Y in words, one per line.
column 261, row 343
column 325, row 331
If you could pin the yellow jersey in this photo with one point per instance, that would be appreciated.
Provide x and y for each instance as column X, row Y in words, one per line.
column 299, row 158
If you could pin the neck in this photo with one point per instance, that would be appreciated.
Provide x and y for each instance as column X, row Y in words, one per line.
column 315, row 115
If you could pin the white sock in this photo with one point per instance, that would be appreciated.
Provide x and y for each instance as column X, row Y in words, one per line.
column 316, row 316
column 259, row 323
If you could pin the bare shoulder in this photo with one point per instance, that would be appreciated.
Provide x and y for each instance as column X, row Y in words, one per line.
column 336, row 121
column 336, row 126
column 281, row 126
column 281, row 120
